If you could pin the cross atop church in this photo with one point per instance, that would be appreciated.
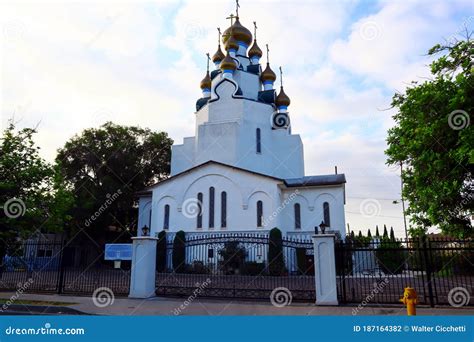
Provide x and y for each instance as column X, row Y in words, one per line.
column 237, row 7
column 281, row 77
column 208, row 59
column 231, row 17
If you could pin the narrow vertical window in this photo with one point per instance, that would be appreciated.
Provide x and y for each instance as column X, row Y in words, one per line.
column 297, row 216
column 259, row 141
column 211, row 207
column 199, row 214
column 166, row 220
column 327, row 219
column 259, row 214
column 149, row 219
column 223, row 209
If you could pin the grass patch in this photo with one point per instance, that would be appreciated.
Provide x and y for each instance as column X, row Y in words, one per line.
column 34, row 302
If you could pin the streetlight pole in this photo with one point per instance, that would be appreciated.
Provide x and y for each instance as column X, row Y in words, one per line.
column 403, row 201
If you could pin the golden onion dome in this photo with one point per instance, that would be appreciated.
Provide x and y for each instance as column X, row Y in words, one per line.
column 206, row 82
column 282, row 99
column 239, row 32
column 218, row 56
column 268, row 74
column 228, row 63
column 231, row 44
column 255, row 50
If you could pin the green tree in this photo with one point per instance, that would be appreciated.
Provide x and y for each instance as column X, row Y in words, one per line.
column 32, row 192
column 179, row 252
column 233, row 257
column 276, row 260
column 105, row 167
column 433, row 139
column 392, row 234
column 161, row 252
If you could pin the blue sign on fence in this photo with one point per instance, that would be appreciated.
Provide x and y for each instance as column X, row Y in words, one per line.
column 118, row 251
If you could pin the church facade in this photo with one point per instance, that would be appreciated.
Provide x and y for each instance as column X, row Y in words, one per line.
column 243, row 170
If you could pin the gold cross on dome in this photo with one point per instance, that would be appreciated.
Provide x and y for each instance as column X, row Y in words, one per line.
column 231, row 17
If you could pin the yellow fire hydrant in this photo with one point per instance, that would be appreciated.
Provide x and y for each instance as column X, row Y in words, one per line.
column 410, row 299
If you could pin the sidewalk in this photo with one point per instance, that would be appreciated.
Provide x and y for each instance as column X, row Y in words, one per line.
column 221, row 307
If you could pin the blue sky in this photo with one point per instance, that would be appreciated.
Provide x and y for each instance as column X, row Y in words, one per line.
column 68, row 66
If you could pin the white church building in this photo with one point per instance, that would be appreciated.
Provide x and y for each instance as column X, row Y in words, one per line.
column 243, row 170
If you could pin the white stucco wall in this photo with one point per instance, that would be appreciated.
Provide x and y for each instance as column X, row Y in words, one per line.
column 243, row 190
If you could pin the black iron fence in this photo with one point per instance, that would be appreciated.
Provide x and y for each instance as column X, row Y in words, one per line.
column 239, row 266
column 57, row 267
column 377, row 271
column 236, row 265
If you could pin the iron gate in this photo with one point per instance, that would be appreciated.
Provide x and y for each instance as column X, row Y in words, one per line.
column 237, row 265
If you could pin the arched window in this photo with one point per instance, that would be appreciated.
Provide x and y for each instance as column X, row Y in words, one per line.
column 259, row 141
column 223, row 209
column 259, row 214
column 211, row 207
column 199, row 214
column 297, row 216
column 327, row 219
column 166, row 220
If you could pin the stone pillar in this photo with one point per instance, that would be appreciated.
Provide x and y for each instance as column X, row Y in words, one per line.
column 325, row 269
column 142, row 282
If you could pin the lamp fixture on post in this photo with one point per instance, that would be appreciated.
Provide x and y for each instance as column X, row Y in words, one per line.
column 323, row 227
column 145, row 230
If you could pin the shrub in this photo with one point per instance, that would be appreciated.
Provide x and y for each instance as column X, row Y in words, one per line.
column 233, row 257
column 276, row 260
column 179, row 252
column 391, row 256
column 253, row 268
column 161, row 252
column 197, row 267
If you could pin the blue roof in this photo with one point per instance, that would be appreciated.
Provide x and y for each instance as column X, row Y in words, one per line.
column 316, row 180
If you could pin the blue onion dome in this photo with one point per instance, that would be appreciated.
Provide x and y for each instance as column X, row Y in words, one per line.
column 238, row 32
column 268, row 74
column 218, row 56
column 228, row 63
column 255, row 50
column 206, row 82
column 282, row 99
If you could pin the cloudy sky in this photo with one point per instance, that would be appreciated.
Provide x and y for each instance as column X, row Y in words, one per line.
column 67, row 66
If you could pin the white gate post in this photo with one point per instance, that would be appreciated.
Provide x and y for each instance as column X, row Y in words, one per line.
column 142, row 282
column 325, row 269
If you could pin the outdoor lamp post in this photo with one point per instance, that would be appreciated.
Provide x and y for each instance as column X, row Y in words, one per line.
column 145, row 230
column 323, row 227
